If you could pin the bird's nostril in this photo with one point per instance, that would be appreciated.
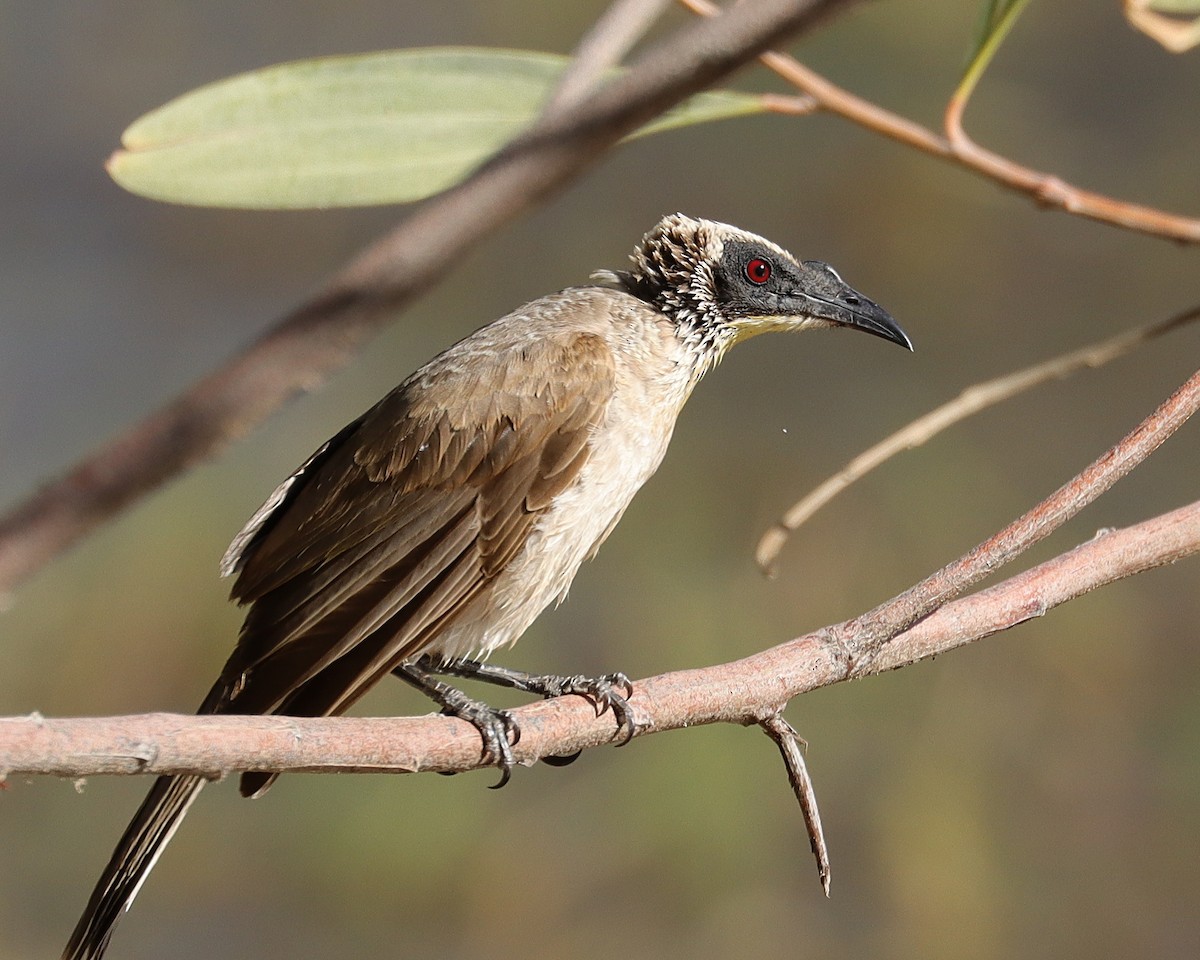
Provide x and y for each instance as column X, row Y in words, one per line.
column 850, row 301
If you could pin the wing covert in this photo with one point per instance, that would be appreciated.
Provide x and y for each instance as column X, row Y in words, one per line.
column 386, row 535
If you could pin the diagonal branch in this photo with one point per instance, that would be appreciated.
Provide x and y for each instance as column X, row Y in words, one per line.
column 752, row 690
column 610, row 38
column 322, row 335
column 862, row 638
column 971, row 401
column 748, row 691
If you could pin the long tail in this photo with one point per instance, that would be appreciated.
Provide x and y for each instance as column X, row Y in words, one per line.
column 138, row 850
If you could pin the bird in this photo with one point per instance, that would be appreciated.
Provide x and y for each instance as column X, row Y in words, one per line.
column 432, row 530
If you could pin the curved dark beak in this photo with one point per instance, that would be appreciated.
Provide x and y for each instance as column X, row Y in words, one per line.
column 869, row 317
column 829, row 297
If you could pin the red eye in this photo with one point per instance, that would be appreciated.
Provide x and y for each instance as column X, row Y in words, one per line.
column 758, row 270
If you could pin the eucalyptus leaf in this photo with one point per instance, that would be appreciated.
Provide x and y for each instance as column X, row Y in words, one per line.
column 1178, row 7
column 1167, row 21
column 995, row 21
column 998, row 18
column 387, row 127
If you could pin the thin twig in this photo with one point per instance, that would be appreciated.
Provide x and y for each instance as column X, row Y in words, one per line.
column 1046, row 189
column 322, row 335
column 603, row 47
column 971, row 401
column 791, row 749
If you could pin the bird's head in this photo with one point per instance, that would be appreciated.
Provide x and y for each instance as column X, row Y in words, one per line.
column 724, row 285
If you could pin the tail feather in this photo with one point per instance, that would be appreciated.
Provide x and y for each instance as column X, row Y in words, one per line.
column 137, row 852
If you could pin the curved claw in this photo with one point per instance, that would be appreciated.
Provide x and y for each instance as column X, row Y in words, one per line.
column 627, row 724
column 512, row 729
column 611, row 692
column 505, row 776
column 500, row 733
column 601, row 691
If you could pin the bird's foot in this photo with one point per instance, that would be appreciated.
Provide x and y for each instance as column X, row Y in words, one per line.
column 608, row 692
column 497, row 728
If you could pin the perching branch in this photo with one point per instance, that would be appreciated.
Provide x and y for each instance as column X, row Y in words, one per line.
column 308, row 344
column 752, row 690
column 1044, row 188
column 748, row 691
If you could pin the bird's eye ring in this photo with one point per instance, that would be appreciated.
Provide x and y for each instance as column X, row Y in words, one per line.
column 758, row 271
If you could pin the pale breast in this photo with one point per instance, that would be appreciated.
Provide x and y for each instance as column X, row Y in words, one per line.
column 654, row 379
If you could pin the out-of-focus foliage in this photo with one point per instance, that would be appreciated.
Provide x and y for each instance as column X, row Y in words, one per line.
column 1166, row 21
column 1035, row 796
column 353, row 131
column 998, row 19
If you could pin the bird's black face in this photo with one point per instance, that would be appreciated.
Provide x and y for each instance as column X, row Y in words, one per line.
column 758, row 289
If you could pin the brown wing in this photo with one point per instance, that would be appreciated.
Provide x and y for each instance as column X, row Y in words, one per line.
column 379, row 541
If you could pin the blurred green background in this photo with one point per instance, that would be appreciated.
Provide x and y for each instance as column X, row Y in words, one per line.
column 1037, row 795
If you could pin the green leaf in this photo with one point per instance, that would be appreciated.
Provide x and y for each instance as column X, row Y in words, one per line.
column 352, row 131
column 1178, row 7
column 1167, row 21
column 998, row 18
